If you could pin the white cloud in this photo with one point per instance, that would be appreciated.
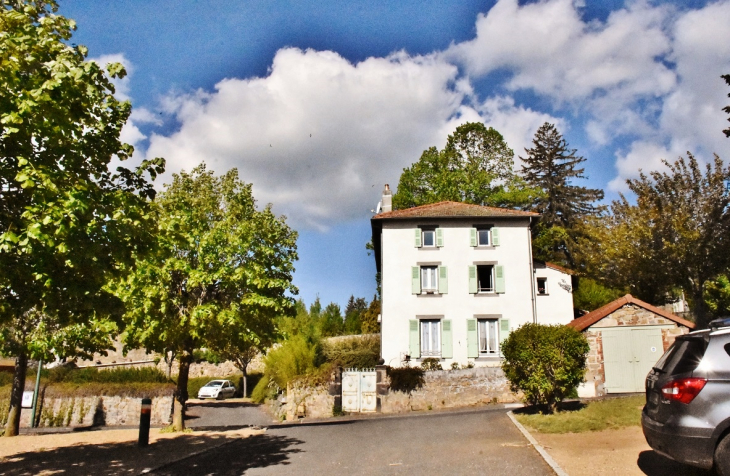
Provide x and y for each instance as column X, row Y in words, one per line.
column 318, row 132
column 121, row 86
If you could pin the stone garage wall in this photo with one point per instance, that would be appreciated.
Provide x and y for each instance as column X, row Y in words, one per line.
column 628, row 315
column 452, row 389
column 96, row 411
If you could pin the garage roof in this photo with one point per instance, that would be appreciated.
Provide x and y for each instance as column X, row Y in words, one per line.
column 592, row 317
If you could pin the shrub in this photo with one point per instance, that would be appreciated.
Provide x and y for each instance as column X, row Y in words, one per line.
column 431, row 363
column 68, row 374
column 359, row 352
column 405, row 379
column 545, row 362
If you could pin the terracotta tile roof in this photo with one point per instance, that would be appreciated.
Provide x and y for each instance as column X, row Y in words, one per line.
column 453, row 210
column 592, row 317
column 554, row 266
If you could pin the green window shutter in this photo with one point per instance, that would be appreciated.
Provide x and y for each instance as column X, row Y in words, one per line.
column 495, row 236
column 417, row 233
column 443, row 280
column 503, row 332
column 472, row 237
column 439, row 237
column 472, row 347
column 447, row 347
column 415, row 280
column 415, row 344
column 499, row 279
column 472, row 279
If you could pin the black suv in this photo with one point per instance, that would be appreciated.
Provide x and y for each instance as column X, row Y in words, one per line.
column 687, row 411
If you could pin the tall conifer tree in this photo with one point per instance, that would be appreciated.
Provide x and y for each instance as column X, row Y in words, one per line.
column 551, row 166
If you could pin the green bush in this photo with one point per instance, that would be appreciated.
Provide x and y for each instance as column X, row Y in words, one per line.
column 545, row 362
column 68, row 374
column 590, row 295
column 405, row 379
column 6, row 378
column 359, row 352
column 93, row 389
column 431, row 363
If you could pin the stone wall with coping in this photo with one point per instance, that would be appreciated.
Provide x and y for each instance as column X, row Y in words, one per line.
column 96, row 411
column 628, row 315
column 452, row 389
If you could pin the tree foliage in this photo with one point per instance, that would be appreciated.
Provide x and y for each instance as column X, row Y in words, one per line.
column 676, row 235
column 551, row 166
column 219, row 277
column 546, row 363
column 67, row 223
column 589, row 295
column 474, row 167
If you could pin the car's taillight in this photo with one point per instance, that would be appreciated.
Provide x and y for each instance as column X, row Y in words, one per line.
column 684, row 389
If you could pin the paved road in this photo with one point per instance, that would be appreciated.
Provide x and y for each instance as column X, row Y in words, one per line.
column 477, row 442
column 213, row 414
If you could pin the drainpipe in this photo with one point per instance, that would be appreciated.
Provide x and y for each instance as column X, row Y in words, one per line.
column 532, row 273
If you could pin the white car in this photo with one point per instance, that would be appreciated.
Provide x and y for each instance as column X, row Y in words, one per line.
column 218, row 389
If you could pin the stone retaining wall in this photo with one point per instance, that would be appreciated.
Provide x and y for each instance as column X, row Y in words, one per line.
column 452, row 389
column 95, row 411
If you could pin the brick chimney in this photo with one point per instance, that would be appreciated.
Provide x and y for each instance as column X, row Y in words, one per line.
column 387, row 201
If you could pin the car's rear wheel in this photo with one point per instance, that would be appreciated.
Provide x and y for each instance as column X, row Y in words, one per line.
column 722, row 457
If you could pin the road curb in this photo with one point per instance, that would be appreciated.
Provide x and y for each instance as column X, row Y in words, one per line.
column 548, row 459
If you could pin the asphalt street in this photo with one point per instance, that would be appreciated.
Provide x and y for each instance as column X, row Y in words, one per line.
column 476, row 442
column 213, row 414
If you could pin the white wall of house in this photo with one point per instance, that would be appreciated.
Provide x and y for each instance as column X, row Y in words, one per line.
column 457, row 305
column 555, row 305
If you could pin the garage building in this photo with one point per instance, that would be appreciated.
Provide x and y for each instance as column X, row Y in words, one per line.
column 627, row 337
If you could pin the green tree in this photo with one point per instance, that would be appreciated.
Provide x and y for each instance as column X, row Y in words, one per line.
column 67, row 223
column 474, row 167
column 353, row 315
column 589, row 295
column 675, row 236
column 330, row 321
column 220, row 265
column 370, row 324
column 552, row 167
column 546, row 363
column 717, row 295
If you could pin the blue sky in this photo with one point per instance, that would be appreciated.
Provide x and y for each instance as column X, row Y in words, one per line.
column 318, row 104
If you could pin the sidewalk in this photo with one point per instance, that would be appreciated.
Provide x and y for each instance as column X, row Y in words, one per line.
column 106, row 452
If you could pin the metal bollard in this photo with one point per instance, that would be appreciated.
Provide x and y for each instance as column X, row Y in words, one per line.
column 144, row 422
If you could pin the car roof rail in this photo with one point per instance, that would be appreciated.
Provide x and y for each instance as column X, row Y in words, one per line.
column 720, row 323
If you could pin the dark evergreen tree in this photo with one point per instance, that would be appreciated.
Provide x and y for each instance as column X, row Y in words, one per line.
column 353, row 315
column 551, row 166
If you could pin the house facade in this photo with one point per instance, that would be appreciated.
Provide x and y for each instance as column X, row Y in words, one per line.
column 457, row 279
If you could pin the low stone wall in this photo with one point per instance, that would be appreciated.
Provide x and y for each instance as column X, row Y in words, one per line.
column 451, row 389
column 95, row 411
column 302, row 401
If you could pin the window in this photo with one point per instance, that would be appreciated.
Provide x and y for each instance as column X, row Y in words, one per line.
column 429, row 279
column 429, row 238
column 542, row 286
column 488, row 336
column 485, row 278
column 430, row 338
column 483, row 237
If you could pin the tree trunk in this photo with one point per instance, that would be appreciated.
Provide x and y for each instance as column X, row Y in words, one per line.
column 245, row 383
column 12, row 428
column 181, row 392
column 700, row 311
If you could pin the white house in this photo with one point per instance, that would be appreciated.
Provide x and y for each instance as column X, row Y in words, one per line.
column 457, row 278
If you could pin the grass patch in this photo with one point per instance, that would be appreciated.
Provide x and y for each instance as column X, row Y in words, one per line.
column 595, row 416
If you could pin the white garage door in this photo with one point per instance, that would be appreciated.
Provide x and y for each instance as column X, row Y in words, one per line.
column 628, row 355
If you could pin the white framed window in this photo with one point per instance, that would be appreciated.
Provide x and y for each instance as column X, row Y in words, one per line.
column 542, row 286
column 484, row 237
column 488, row 336
column 485, row 278
column 429, row 279
column 430, row 338
column 429, row 238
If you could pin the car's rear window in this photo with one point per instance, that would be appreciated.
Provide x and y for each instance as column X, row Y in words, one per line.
column 684, row 356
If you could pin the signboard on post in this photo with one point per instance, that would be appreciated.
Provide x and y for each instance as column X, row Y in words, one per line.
column 27, row 399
